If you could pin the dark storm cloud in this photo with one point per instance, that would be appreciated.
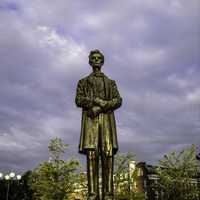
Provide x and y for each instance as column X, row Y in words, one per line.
column 9, row 6
column 151, row 49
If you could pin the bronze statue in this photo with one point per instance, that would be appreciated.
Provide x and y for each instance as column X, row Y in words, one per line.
column 98, row 97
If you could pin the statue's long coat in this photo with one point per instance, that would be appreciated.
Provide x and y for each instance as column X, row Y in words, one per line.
column 88, row 127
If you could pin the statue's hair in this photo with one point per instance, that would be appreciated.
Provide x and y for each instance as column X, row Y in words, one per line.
column 96, row 51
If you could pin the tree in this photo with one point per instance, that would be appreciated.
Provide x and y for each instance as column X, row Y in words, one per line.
column 125, row 178
column 54, row 179
column 178, row 175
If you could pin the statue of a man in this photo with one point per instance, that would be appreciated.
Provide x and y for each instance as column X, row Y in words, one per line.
column 98, row 97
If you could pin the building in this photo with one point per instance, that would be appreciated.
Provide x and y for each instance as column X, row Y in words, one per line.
column 141, row 178
column 148, row 182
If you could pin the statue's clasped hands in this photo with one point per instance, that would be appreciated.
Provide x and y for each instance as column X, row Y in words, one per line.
column 99, row 106
column 100, row 102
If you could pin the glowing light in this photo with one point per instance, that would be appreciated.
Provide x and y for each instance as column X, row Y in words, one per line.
column 12, row 174
column 7, row 177
column 19, row 177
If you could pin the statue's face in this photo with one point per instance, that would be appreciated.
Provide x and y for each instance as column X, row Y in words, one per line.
column 96, row 60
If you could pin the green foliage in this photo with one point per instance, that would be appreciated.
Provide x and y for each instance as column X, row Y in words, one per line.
column 54, row 179
column 177, row 175
column 124, row 178
column 56, row 148
column 82, row 186
column 122, row 168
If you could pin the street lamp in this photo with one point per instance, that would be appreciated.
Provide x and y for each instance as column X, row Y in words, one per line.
column 9, row 177
column 19, row 177
column 12, row 174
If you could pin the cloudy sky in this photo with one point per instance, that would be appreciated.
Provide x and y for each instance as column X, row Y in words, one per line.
column 151, row 49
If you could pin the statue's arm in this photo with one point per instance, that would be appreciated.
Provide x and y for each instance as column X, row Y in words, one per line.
column 86, row 102
column 114, row 103
column 82, row 100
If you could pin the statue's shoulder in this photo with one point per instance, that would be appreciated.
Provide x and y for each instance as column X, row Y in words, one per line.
column 84, row 79
column 109, row 79
column 89, row 77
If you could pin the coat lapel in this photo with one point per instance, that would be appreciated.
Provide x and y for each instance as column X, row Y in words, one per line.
column 106, row 85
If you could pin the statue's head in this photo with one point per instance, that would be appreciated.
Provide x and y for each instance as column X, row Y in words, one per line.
column 96, row 58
